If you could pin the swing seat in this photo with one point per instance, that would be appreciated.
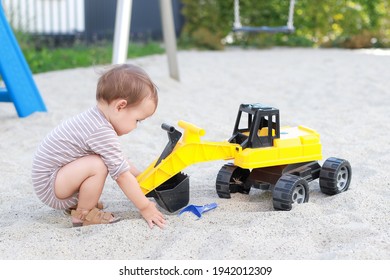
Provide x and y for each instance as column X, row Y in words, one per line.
column 265, row 29
column 288, row 28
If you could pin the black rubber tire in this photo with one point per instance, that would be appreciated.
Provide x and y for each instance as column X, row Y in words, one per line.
column 231, row 179
column 335, row 176
column 290, row 189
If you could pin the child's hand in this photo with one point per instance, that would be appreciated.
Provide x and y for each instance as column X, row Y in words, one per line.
column 152, row 216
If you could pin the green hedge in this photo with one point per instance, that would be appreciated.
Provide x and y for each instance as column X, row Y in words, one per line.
column 331, row 23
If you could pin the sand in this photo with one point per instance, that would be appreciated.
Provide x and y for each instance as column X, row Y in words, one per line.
column 343, row 94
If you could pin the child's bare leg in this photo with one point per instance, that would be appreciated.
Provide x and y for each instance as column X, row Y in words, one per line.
column 86, row 175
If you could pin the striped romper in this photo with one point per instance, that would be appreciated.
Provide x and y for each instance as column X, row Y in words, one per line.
column 88, row 133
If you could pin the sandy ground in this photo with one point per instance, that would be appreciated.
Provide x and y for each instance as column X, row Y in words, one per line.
column 342, row 94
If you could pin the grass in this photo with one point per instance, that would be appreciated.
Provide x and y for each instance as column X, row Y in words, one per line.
column 44, row 59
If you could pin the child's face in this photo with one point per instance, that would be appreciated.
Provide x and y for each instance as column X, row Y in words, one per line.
column 126, row 119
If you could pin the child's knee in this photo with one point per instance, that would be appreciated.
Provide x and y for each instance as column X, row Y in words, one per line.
column 99, row 165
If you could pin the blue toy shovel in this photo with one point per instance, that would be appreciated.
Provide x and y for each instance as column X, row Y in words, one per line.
column 198, row 210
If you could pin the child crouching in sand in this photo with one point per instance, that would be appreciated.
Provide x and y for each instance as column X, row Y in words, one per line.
column 71, row 164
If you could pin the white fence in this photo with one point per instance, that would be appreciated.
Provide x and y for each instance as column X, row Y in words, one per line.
column 46, row 16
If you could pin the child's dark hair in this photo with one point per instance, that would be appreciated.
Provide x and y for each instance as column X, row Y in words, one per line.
column 126, row 81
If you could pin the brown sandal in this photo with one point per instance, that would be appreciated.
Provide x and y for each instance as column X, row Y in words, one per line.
column 93, row 217
column 99, row 206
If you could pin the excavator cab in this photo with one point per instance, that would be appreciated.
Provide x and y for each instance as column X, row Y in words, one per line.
column 256, row 126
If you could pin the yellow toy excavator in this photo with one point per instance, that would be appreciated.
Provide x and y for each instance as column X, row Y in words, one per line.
column 263, row 155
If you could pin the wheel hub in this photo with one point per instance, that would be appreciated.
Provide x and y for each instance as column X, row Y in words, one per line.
column 299, row 194
column 342, row 178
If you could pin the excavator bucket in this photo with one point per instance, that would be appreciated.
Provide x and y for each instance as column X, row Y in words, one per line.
column 173, row 194
column 163, row 179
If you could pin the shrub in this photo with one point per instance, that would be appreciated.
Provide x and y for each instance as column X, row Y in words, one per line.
column 341, row 23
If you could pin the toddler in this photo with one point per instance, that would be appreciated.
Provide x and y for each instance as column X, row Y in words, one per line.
column 72, row 162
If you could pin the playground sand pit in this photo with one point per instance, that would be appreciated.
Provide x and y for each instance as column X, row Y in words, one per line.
column 343, row 94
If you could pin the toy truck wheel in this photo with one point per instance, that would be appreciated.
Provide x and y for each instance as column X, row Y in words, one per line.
column 290, row 189
column 335, row 176
column 231, row 179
